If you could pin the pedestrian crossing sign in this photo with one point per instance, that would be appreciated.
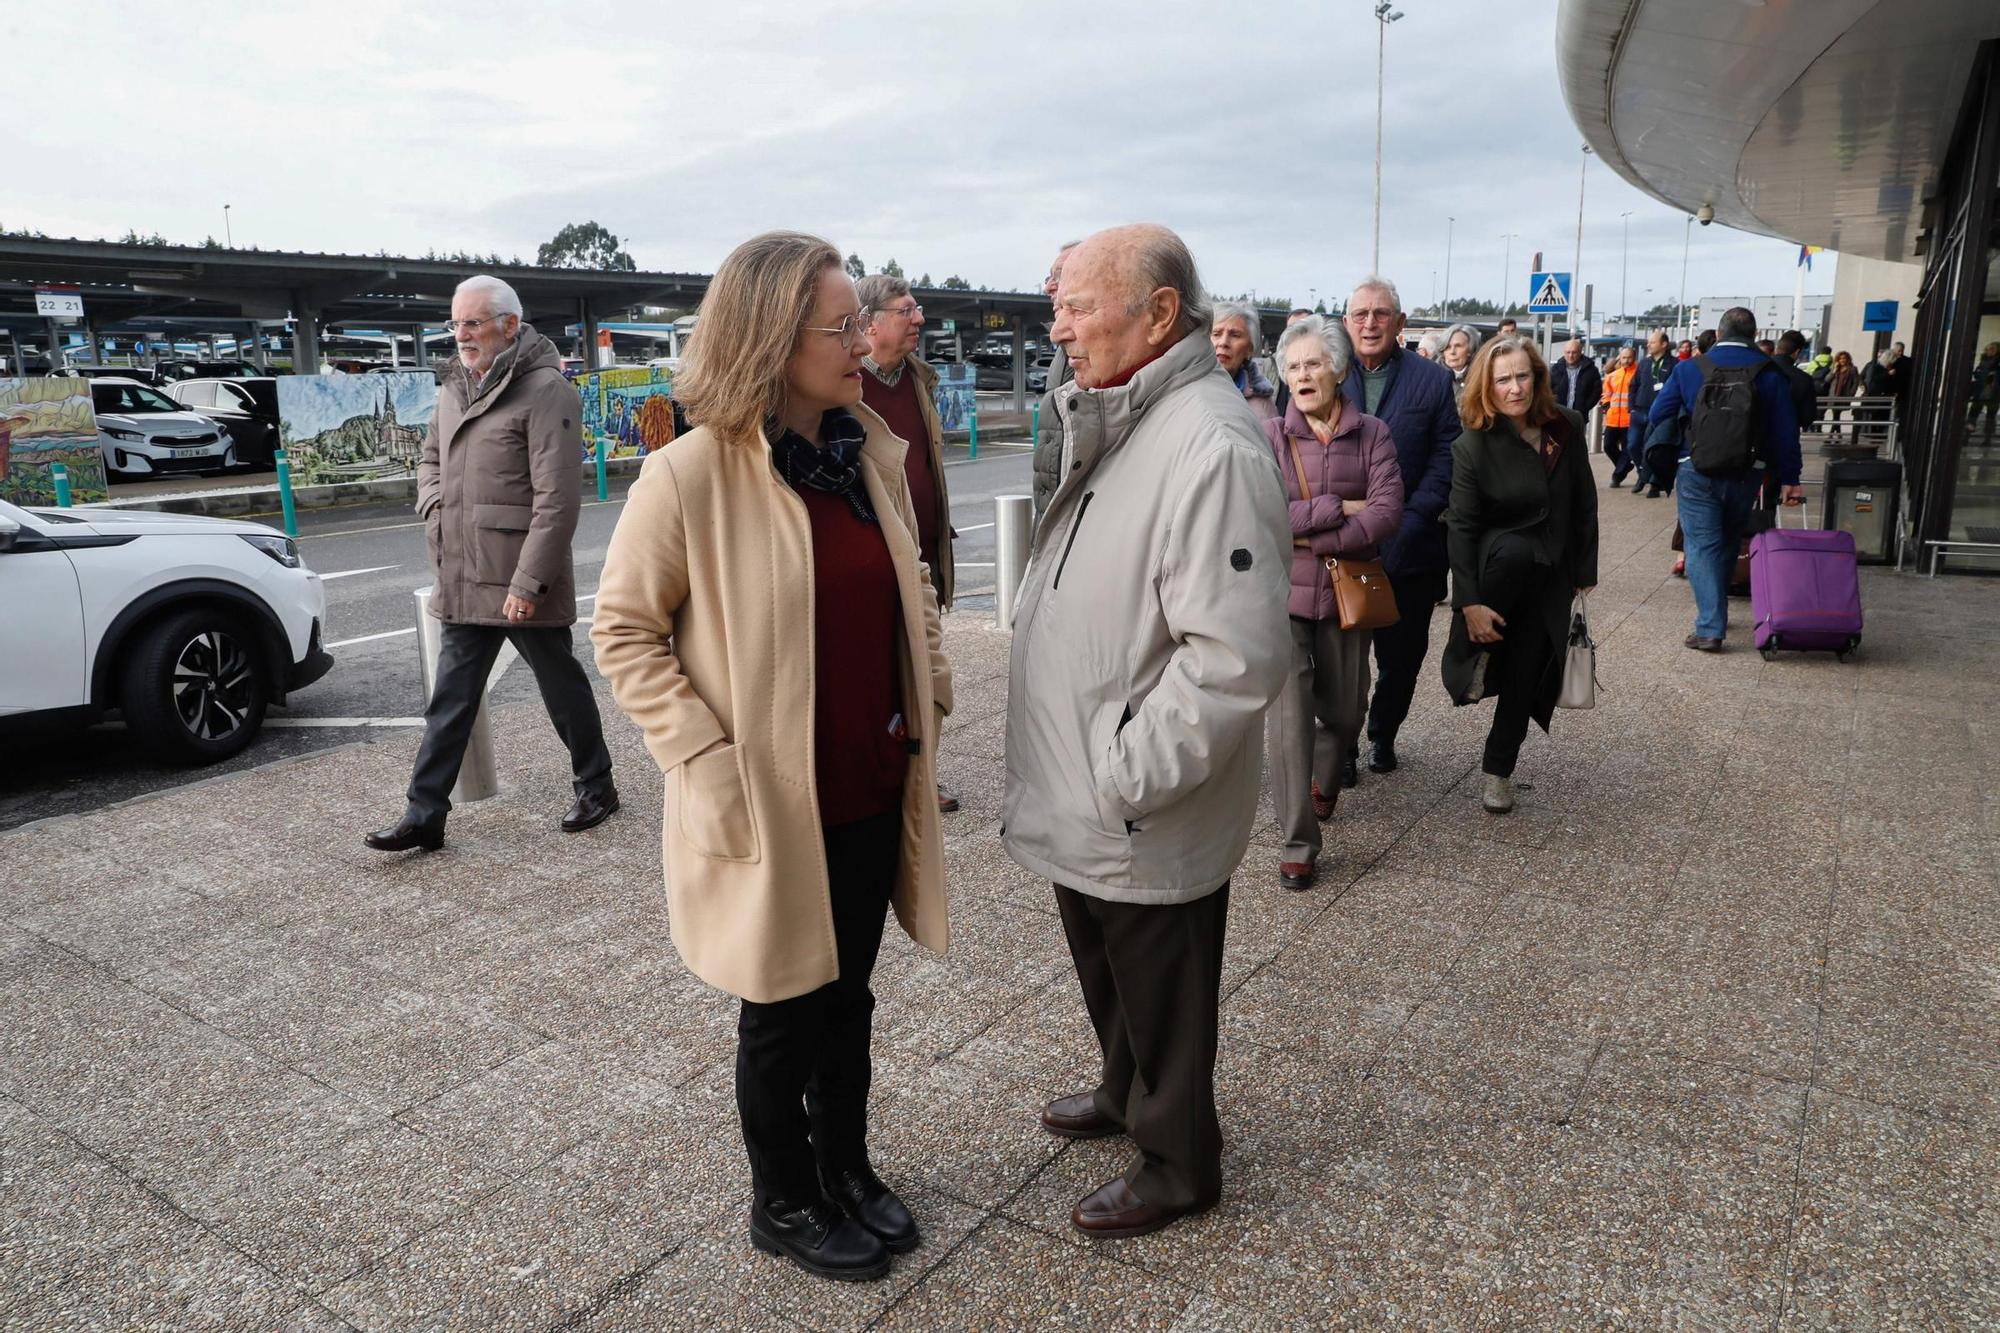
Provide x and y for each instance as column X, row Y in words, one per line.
column 1549, row 294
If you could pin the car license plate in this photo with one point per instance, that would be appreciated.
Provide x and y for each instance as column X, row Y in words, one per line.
column 188, row 453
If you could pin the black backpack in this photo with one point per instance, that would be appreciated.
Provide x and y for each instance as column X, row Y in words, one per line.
column 1723, row 432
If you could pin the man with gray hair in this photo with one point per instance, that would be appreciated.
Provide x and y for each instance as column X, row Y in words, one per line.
column 499, row 486
column 901, row 388
column 1150, row 637
column 1048, row 426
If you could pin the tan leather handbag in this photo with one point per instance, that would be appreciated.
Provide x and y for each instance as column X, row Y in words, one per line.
column 1362, row 596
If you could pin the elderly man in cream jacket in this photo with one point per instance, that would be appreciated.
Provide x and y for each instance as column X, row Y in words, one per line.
column 1151, row 637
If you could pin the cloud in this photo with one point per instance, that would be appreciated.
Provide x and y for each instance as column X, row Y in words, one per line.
column 956, row 139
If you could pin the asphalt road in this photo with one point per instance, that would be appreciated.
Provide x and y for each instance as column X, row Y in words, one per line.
column 373, row 559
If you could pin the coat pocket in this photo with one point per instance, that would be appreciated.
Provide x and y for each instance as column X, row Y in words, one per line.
column 1104, row 728
column 714, row 805
column 499, row 532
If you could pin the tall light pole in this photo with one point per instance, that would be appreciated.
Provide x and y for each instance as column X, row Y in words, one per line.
column 228, row 238
column 1384, row 16
column 1686, row 232
column 1624, row 266
column 1507, row 273
column 1576, row 269
column 1448, row 224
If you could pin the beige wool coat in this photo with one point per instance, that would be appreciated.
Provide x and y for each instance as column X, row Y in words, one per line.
column 499, row 485
column 704, row 629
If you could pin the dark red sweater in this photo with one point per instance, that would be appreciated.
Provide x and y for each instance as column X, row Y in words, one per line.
column 900, row 409
column 858, row 761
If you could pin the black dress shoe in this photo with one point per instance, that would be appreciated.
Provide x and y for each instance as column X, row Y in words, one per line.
column 1350, row 768
column 1382, row 757
column 860, row 1193
column 819, row 1238
column 591, row 809
column 405, row 835
column 1077, row 1117
column 1703, row 644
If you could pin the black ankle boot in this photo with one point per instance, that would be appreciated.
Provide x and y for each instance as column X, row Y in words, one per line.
column 860, row 1193
column 819, row 1238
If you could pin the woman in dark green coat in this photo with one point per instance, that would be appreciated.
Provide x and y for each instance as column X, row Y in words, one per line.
column 1521, row 530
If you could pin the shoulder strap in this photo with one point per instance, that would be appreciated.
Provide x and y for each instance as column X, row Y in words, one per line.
column 1298, row 466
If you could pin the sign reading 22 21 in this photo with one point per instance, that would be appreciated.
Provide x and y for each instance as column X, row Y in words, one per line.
column 59, row 302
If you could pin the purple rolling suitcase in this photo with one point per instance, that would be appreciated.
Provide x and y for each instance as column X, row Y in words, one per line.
column 1805, row 591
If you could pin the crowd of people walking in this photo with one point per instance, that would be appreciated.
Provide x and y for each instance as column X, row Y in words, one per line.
column 1224, row 538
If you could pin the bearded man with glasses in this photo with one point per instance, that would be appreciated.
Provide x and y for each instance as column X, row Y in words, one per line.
column 902, row 390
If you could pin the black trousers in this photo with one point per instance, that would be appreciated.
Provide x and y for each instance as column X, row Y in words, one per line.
column 1152, row 981
column 465, row 657
column 802, row 1065
column 1522, row 659
column 1400, row 650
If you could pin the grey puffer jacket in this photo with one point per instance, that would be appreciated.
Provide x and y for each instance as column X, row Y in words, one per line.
column 1049, row 437
column 1149, row 638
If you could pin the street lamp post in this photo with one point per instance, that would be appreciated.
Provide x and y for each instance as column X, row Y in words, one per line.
column 1384, row 16
column 228, row 238
column 1576, row 269
column 1448, row 224
column 1624, row 265
column 1507, row 272
column 1686, row 232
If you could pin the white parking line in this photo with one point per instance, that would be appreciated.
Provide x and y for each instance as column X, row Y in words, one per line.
column 590, row 596
column 972, row 564
column 318, row 723
column 350, row 573
column 977, row 527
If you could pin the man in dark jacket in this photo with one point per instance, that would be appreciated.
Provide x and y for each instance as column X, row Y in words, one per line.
column 1715, row 504
column 1654, row 367
column 1576, row 381
column 1415, row 399
column 1048, row 425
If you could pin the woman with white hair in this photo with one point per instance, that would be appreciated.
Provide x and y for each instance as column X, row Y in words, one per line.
column 1238, row 341
column 1431, row 346
column 1346, row 498
column 1460, row 342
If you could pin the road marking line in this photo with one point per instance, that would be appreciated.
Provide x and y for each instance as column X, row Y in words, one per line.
column 321, row 723
column 350, row 573
column 370, row 638
column 972, row 564
column 398, row 527
column 977, row 527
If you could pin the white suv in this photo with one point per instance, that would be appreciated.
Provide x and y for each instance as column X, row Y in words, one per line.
column 144, row 433
column 190, row 627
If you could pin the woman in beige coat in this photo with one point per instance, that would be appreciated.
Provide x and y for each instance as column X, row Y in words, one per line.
column 764, row 617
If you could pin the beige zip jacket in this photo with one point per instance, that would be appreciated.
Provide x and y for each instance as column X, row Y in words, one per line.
column 1150, row 636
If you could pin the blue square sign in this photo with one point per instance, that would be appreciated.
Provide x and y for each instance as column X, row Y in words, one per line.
column 1878, row 315
column 1548, row 293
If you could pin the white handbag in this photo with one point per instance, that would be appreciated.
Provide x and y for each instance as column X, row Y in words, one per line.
column 1579, row 686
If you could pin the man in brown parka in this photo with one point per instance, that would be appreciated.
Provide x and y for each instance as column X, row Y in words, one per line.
column 498, row 489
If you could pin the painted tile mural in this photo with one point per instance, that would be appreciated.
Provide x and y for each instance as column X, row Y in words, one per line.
column 629, row 408
column 355, row 427
column 48, row 420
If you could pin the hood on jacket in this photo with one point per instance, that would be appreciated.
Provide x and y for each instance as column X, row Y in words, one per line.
column 530, row 351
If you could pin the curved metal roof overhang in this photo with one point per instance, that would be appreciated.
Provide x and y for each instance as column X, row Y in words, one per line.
column 1820, row 121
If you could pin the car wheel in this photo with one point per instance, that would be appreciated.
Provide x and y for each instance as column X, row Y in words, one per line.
column 194, row 688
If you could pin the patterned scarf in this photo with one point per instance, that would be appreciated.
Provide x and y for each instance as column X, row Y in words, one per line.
column 833, row 467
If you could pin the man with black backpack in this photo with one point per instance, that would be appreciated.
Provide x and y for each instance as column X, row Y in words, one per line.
column 1741, row 426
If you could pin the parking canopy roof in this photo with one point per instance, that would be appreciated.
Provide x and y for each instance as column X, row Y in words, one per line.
column 152, row 286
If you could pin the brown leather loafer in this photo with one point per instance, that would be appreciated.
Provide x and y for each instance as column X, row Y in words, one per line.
column 1295, row 874
column 1077, row 1117
column 1703, row 645
column 1323, row 804
column 1112, row 1211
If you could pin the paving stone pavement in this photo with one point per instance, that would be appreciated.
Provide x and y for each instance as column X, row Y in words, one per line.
column 1701, row 1037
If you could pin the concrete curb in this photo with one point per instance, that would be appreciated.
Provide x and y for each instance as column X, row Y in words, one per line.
column 264, row 499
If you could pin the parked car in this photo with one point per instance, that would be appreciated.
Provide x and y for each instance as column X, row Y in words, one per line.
column 993, row 372
column 190, row 628
column 169, row 371
column 144, row 433
column 247, row 408
column 95, row 372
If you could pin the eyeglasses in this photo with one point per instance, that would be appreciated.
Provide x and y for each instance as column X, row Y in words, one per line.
column 470, row 325
column 852, row 332
column 1312, row 367
column 1372, row 316
column 910, row 311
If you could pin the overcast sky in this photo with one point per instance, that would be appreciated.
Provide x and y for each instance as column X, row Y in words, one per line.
column 955, row 138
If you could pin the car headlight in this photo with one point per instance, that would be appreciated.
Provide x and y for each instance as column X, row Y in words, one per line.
column 281, row 549
column 117, row 433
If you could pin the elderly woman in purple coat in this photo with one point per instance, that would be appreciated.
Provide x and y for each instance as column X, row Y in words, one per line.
column 1346, row 498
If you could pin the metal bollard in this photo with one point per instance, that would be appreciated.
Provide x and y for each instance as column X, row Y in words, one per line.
column 975, row 428
column 603, row 485
column 1013, row 534
column 478, row 777
column 1035, row 422
column 59, row 474
column 285, row 492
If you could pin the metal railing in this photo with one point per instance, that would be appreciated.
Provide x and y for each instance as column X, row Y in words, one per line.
column 1861, row 423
